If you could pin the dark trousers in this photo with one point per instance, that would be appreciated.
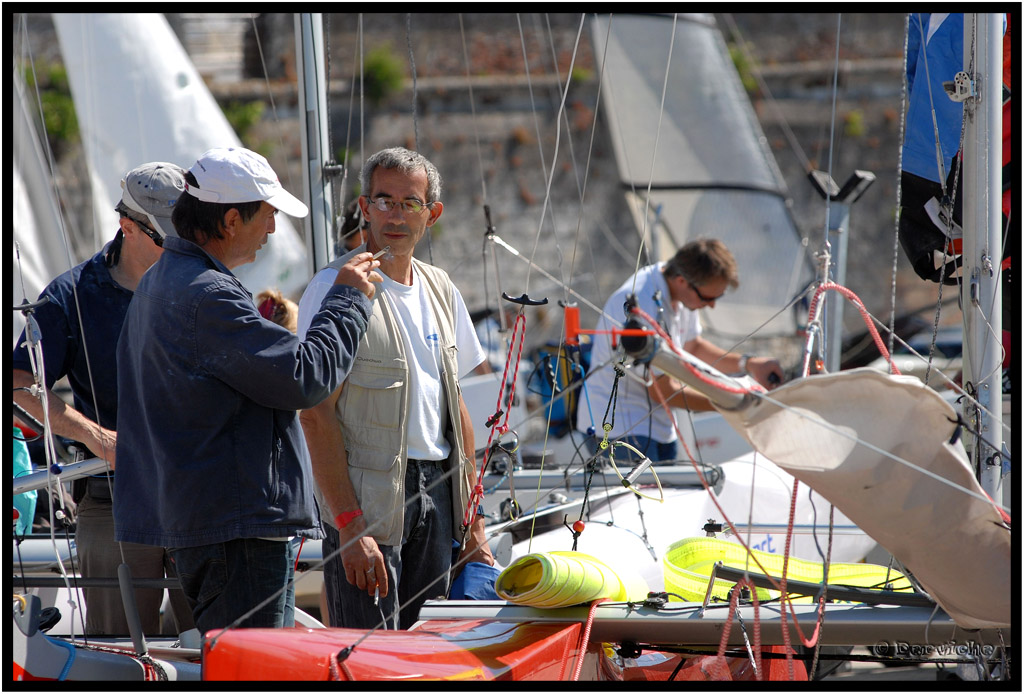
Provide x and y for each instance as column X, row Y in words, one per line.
column 227, row 580
column 417, row 570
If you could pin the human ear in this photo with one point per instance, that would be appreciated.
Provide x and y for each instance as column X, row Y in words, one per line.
column 435, row 211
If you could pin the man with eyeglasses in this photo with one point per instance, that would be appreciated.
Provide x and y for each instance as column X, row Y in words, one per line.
column 393, row 448
column 99, row 291
column 697, row 276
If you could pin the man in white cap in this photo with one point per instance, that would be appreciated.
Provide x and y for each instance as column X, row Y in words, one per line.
column 213, row 461
column 86, row 307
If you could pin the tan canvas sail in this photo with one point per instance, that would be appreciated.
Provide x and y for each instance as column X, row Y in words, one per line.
column 849, row 436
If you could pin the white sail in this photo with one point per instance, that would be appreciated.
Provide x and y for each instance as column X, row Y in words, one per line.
column 139, row 98
column 37, row 223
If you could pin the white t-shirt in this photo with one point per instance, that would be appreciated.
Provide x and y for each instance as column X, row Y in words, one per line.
column 632, row 404
column 425, row 437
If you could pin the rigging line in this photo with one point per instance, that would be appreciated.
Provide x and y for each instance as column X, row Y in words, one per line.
column 270, row 93
column 412, row 68
column 832, row 129
column 534, row 266
column 415, row 115
column 940, row 160
column 348, row 133
column 554, row 155
column 362, row 100
column 613, row 125
column 580, row 190
column 755, row 70
column 590, row 152
column 472, row 107
column 654, row 152
column 529, row 85
column 949, row 382
column 899, row 186
column 21, row 143
column 826, row 269
column 841, row 432
column 50, row 451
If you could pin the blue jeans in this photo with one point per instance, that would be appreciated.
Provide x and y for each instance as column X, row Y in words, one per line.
column 225, row 580
column 657, row 451
column 417, row 570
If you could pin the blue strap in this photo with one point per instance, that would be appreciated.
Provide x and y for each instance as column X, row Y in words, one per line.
column 71, row 656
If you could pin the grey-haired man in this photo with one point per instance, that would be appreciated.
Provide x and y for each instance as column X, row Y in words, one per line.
column 100, row 290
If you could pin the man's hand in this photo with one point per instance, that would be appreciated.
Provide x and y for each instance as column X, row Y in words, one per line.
column 476, row 548
column 103, row 443
column 362, row 559
column 766, row 371
column 358, row 273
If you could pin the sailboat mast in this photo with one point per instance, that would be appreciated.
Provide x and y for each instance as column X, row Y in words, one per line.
column 309, row 42
column 982, row 242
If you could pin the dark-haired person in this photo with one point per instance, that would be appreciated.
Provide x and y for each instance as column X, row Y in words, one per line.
column 212, row 462
column 696, row 277
column 99, row 291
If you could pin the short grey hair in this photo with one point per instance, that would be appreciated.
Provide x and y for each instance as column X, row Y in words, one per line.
column 406, row 161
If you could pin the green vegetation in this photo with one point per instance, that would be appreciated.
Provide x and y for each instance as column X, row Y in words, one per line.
column 58, row 108
column 242, row 115
column 383, row 73
column 580, row 75
column 743, row 67
column 853, row 123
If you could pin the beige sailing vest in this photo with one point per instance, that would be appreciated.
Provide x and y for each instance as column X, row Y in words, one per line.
column 374, row 408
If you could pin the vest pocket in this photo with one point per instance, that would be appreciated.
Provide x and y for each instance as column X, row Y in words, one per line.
column 370, row 406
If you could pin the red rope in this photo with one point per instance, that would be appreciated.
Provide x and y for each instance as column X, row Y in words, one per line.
column 585, row 638
column 661, row 332
column 855, row 300
column 733, row 606
column 518, row 329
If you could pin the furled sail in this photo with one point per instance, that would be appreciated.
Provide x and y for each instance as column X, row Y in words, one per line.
column 849, row 436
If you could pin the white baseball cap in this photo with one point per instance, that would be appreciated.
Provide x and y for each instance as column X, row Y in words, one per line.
column 234, row 174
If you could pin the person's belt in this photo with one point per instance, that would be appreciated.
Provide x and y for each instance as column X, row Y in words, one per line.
column 436, row 463
column 98, row 488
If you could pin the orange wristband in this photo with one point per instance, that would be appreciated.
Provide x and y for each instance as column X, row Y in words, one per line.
column 346, row 517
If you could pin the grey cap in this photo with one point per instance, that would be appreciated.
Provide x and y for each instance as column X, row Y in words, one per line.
column 151, row 190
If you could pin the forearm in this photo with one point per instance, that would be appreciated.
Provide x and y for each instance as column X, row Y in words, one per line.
column 65, row 420
column 326, row 445
column 667, row 389
column 476, row 548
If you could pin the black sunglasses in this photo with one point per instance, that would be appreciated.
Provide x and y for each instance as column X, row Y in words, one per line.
column 705, row 299
column 150, row 232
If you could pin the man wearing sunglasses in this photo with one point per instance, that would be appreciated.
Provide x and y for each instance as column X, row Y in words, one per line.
column 99, row 290
column 697, row 276
column 392, row 448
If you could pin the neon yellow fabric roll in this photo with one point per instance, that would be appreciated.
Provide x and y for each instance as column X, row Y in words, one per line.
column 561, row 579
column 689, row 562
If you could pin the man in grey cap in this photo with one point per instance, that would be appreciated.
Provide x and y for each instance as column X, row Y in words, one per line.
column 86, row 307
column 213, row 461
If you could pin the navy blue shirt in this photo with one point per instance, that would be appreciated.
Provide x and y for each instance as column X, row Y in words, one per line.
column 209, row 447
column 103, row 304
